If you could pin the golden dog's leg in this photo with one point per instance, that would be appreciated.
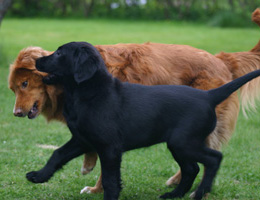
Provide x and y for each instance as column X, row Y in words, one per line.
column 89, row 162
column 175, row 179
column 98, row 188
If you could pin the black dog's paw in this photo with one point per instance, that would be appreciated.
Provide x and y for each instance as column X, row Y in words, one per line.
column 37, row 177
column 51, row 79
column 166, row 196
column 197, row 195
column 171, row 195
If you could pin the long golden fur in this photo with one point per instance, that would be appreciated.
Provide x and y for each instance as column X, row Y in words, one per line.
column 149, row 64
column 241, row 63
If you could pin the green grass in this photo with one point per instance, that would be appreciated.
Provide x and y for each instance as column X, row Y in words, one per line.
column 144, row 171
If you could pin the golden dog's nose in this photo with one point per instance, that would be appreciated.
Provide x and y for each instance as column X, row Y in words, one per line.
column 18, row 112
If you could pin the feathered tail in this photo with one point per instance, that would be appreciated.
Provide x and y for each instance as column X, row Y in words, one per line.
column 241, row 63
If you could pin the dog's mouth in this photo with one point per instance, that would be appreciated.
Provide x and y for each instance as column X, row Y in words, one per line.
column 51, row 79
column 39, row 65
column 34, row 111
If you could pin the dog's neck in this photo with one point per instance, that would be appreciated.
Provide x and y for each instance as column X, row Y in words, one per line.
column 100, row 82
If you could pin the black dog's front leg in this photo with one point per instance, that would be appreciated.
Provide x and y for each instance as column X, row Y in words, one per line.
column 111, row 180
column 59, row 158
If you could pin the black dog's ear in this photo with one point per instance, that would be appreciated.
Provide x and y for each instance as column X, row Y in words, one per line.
column 86, row 64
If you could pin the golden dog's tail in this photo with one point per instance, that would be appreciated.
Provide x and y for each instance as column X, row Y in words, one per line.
column 242, row 63
column 256, row 19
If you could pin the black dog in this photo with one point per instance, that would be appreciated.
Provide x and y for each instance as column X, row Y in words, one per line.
column 110, row 117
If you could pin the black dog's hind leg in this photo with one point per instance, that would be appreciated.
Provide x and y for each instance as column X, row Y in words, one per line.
column 189, row 172
column 110, row 159
column 59, row 157
column 211, row 160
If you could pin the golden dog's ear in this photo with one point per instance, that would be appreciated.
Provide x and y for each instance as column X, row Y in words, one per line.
column 27, row 57
column 86, row 65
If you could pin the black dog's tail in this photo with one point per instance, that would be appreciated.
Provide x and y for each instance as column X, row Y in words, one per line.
column 220, row 94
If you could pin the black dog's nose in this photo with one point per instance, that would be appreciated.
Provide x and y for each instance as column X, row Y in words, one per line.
column 18, row 112
column 37, row 64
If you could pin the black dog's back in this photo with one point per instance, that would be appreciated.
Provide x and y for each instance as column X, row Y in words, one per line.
column 149, row 114
column 150, row 111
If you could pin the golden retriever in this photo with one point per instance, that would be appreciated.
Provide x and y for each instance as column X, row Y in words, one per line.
column 148, row 64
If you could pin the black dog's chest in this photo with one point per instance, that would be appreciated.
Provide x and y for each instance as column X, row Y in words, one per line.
column 69, row 108
column 70, row 114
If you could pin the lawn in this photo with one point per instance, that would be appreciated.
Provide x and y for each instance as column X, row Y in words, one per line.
column 144, row 171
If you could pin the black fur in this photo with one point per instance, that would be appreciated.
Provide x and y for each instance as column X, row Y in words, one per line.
column 110, row 117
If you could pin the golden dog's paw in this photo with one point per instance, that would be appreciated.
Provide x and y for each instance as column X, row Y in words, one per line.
column 85, row 170
column 174, row 180
column 91, row 190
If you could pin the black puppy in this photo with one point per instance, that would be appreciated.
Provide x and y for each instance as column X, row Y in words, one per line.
column 110, row 117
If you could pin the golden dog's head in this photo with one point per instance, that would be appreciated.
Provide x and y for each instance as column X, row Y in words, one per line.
column 32, row 96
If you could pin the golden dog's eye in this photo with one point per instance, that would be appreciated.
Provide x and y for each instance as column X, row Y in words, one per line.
column 24, row 84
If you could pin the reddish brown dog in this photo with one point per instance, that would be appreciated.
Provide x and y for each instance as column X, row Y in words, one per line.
column 148, row 64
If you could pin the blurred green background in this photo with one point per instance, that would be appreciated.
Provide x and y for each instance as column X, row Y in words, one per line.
column 216, row 12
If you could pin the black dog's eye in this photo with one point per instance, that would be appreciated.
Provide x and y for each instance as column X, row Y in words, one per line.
column 24, row 84
column 58, row 53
